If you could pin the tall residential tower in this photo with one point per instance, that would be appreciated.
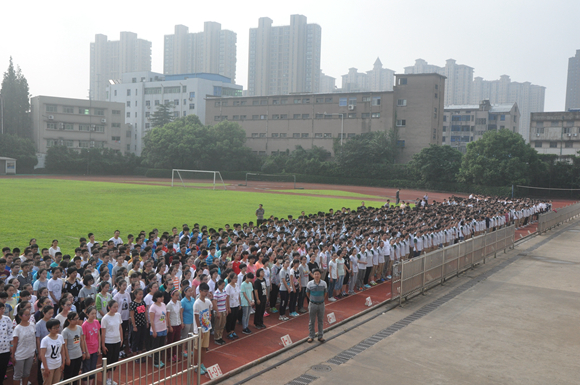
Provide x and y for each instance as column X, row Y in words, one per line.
column 284, row 59
column 573, row 85
column 211, row 51
column 111, row 59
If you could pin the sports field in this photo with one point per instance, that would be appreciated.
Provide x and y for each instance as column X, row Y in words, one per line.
column 68, row 209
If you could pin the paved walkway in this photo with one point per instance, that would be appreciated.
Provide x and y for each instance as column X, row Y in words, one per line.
column 513, row 320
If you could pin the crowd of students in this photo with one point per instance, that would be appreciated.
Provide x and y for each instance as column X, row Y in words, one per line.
column 122, row 297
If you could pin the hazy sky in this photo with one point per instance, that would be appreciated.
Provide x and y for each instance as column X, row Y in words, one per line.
column 527, row 40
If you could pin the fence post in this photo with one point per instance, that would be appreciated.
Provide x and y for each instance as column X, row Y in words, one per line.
column 104, row 369
column 401, row 284
column 199, row 355
column 458, row 257
column 423, row 282
column 189, row 357
column 485, row 246
column 443, row 266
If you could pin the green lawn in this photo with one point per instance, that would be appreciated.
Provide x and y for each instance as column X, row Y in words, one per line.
column 338, row 193
column 48, row 209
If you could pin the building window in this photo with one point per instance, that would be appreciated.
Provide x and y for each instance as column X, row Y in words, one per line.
column 275, row 135
column 567, row 130
column 306, row 101
column 69, row 126
column 263, row 117
column 553, row 144
column 555, row 123
column 327, row 100
column 176, row 102
column 297, row 116
column 283, row 135
column 318, row 135
column 296, row 135
column 342, row 102
column 376, row 100
column 255, row 117
column 402, row 81
column 305, row 116
column 51, row 108
column 116, row 112
column 375, row 115
column 99, row 129
column 283, row 101
column 84, row 111
column 69, row 110
column 156, row 102
column 217, row 104
column 128, row 114
column 128, row 134
column 243, row 117
column 297, row 101
column 319, row 116
column 51, row 126
column 173, row 113
column 365, row 115
column 352, row 115
column 116, row 138
column 304, row 135
column 327, row 135
column 569, row 144
column 284, row 116
column 352, row 101
column 443, row 139
column 147, row 125
column 264, row 102
column 254, row 134
column 481, row 121
column 402, row 102
column 116, row 125
column 444, row 128
column 84, row 127
column 319, row 100
column 436, row 95
column 262, row 134
column 366, row 98
column 539, row 130
column 275, row 117
column 192, row 95
column 400, row 143
column 401, row 123
column 147, row 114
column 350, row 136
column 502, row 118
column 128, row 147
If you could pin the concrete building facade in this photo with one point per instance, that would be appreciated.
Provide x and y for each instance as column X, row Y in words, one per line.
column 466, row 123
column 327, row 83
column 573, row 83
column 284, row 59
column 458, row 83
column 110, row 59
column 77, row 124
column 211, row 51
column 556, row 133
column 142, row 92
column 279, row 123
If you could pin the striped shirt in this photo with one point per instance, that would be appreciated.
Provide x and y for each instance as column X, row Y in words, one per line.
column 220, row 298
column 316, row 291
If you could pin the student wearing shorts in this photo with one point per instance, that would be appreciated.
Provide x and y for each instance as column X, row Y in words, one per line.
column 51, row 353
column 202, row 310
column 112, row 336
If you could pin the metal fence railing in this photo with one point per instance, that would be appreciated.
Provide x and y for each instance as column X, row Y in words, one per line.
column 434, row 268
column 553, row 218
column 130, row 372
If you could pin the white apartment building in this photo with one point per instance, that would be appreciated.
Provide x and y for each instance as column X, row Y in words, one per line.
column 377, row 79
column 142, row 92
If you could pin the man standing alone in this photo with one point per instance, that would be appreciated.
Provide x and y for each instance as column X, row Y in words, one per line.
column 260, row 215
column 316, row 291
column 397, row 196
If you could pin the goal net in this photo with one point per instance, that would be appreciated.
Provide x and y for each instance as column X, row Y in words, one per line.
column 547, row 192
column 204, row 175
column 255, row 178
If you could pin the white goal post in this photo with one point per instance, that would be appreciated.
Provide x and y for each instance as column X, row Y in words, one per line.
column 269, row 176
column 178, row 171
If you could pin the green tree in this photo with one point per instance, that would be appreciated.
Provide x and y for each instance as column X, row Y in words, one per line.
column 21, row 149
column 186, row 143
column 15, row 103
column 100, row 161
column 436, row 164
column 314, row 161
column 500, row 158
column 366, row 155
column 162, row 115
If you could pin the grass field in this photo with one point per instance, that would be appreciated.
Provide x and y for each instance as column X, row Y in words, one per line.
column 66, row 210
column 338, row 193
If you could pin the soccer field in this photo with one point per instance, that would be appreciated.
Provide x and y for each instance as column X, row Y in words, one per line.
column 66, row 210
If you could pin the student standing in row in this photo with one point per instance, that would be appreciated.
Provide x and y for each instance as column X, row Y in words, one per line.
column 51, row 353
column 75, row 346
column 112, row 336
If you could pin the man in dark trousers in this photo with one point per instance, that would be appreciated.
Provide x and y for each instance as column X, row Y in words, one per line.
column 260, row 215
column 397, row 196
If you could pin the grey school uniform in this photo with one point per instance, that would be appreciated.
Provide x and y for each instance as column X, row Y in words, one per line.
column 317, row 294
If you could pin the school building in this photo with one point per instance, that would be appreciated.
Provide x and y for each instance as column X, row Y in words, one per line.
column 281, row 122
column 556, row 133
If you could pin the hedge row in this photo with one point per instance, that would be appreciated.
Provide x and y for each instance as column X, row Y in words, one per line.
column 393, row 183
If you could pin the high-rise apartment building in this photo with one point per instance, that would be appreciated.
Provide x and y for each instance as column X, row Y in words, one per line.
column 529, row 97
column 111, row 59
column 462, row 89
column 211, row 51
column 458, row 83
column 573, row 84
column 327, row 83
column 284, row 59
column 377, row 79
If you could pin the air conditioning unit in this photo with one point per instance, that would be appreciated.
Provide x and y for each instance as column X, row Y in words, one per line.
column 61, row 126
column 103, row 120
column 575, row 134
column 537, row 134
column 569, row 135
column 50, row 117
column 190, row 99
column 351, row 107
